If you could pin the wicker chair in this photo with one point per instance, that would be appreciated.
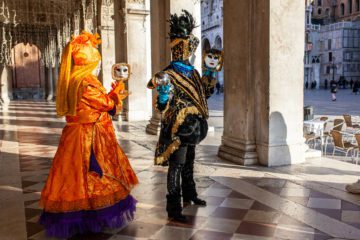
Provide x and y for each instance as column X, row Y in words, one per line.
column 357, row 137
column 341, row 145
column 349, row 122
column 338, row 124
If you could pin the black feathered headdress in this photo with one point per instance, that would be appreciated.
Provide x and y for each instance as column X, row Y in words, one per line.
column 181, row 26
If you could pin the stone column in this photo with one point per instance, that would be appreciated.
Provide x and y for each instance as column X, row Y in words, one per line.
column 6, row 83
column 132, row 45
column 263, row 82
column 55, row 77
column 107, row 47
column 159, row 53
column 160, row 49
column 50, row 84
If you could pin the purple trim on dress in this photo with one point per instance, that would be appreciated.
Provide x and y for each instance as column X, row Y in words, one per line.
column 94, row 165
column 65, row 225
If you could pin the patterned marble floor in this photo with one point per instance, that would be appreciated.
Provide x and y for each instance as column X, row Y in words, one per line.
column 305, row 201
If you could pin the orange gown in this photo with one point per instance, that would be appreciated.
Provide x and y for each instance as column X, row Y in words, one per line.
column 71, row 186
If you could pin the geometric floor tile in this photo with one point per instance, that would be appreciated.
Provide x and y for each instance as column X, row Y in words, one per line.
column 230, row 214
column 324, row 203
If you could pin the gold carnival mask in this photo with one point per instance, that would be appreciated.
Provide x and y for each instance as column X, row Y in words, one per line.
column 182, row 49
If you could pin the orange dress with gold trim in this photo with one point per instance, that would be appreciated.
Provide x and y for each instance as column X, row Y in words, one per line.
column 70, row 185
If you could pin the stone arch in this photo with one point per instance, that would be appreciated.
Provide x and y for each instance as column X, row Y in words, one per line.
column 27, row 82
column 206, row 44
column 218, row 43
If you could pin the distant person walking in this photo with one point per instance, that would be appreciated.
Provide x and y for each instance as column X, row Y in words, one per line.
column 356, row 87
column 333, row 89
column 312, row 85
column 326, row 84
column 307, row 85
column 218, row 86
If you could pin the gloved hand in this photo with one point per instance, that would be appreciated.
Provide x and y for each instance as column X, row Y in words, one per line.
column 118, row 92
column 163, row 92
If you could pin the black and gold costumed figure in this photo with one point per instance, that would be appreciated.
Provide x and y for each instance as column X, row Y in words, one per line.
column 182, row 100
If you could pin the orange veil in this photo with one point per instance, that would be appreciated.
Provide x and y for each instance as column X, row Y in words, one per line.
column 79, row 59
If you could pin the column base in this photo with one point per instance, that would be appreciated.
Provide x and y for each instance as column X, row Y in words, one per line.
column 153, row 128
column 236, row 151
column 50, row 98
column 281, row 155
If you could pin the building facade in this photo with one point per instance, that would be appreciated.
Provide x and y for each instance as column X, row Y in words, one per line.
column 329, row 11
column 332, row 44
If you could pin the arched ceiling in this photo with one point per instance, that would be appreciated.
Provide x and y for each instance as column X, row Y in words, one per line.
column 37, row 12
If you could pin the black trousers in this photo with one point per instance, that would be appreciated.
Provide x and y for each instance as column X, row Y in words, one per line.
column 181, row 177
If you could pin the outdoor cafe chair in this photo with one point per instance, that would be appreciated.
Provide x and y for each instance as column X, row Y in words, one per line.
column 338, row 124
column 357, row 137
column 350, row 123
column 342, row 146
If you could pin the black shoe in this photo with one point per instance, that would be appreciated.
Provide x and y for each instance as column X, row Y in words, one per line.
column 196, row 201
column 177, row 217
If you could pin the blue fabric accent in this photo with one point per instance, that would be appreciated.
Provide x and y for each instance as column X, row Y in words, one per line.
column 183, row 68
column 163, row 95
column 112, row 112
column 209, row 73
column 94, row 165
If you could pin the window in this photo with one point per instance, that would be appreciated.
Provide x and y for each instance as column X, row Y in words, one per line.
column 319, row 2
column 330, row 57
column 328, row 69
column 350, row 6
column 319, row 11
column 342, row 9
column 357, row 5
column 329, row 44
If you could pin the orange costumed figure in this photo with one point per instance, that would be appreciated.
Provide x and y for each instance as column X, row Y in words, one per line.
column 89, row 184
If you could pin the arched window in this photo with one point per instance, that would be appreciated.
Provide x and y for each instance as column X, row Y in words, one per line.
column 327, row 12
column 319, row 11
column 218, row 43
column 342, row 9
column 350, row 6
column 206, row 44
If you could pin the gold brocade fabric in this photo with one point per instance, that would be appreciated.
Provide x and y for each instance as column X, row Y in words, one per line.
column 70, row 185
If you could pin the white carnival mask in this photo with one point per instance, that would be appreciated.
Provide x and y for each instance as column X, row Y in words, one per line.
column 211, row 60
column 121, row 71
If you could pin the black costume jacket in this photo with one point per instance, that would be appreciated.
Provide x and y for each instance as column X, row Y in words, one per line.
column 185, row 114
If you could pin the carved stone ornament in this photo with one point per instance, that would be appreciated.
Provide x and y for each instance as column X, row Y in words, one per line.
column 136, row 1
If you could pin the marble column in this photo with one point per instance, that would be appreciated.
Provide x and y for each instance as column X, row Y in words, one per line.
column 6, row 83
column 161, row 54
column 107, row 47
column 55, row 77
column 50, row 83
column 132, row 45
column 263, row 82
